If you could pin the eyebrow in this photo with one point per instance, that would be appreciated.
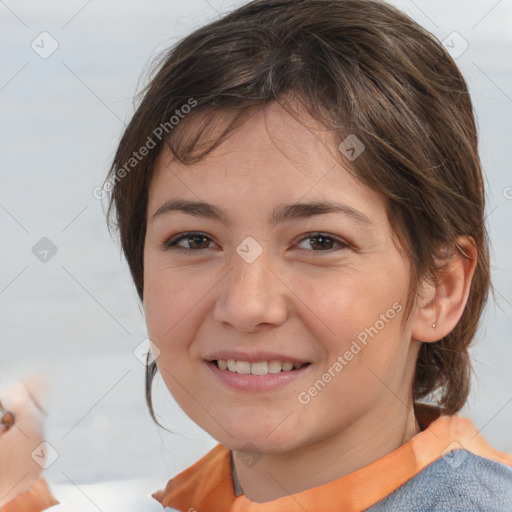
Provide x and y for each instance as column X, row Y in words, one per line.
column 281, row 214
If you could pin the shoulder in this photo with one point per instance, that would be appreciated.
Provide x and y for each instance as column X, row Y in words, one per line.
column 455, row 469
column 458, row 481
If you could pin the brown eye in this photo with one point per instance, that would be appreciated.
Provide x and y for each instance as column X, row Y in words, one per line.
column 195, row 241
column 324, row 243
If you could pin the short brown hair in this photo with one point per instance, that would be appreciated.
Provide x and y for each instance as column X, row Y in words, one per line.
column 358, row 67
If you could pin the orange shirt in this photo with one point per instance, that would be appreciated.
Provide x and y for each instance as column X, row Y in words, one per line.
column 208, row 486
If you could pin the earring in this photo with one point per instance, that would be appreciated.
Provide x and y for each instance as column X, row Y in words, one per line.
column 435, row 315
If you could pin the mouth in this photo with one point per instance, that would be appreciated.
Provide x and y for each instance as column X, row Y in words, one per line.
column 257, row 367
column 256, row 375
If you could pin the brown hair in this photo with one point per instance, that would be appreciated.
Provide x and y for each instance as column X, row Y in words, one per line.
column 358, row 67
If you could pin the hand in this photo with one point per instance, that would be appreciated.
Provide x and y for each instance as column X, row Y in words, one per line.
column 18, row 470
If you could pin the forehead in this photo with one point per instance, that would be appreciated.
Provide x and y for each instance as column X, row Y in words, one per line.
column 272, row 158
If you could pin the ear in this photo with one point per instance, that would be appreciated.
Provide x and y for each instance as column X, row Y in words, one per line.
column 441, row 304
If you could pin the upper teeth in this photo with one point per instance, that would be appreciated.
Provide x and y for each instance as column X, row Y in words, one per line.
column 258, row 368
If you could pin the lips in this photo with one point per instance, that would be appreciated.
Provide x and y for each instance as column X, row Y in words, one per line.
column 256, row 371
column 257, row 367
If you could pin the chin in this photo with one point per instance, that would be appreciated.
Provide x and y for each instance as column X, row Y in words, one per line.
column 259, row 441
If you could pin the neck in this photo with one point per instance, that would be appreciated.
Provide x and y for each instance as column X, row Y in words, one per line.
column 278, row 475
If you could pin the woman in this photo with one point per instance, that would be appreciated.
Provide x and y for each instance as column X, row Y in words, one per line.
column 300, row 200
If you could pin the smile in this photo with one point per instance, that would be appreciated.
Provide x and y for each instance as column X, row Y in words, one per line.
column 258, row 367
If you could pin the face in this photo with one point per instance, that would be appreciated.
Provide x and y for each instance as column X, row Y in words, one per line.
column 259, row 285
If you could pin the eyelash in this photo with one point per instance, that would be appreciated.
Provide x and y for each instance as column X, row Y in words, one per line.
column 172, row 242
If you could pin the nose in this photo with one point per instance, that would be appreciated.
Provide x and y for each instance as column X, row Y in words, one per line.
column 253, row 295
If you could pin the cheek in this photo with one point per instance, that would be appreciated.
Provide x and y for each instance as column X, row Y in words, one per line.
column 166, row 301
column 174, row 305
column 353, row 299
column 361, row 313
column 165, row 308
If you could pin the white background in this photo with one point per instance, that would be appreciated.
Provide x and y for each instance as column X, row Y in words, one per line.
column 76, row 318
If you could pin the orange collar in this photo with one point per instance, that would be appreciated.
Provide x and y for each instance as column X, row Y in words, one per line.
column 208, row 485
